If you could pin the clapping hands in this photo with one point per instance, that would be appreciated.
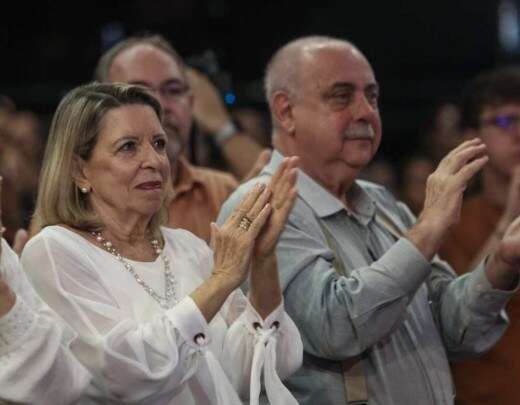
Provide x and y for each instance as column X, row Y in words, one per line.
column 254, row 227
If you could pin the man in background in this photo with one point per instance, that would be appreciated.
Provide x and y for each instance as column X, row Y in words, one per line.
column 490, row 111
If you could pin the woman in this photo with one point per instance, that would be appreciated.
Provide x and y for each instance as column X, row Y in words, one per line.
column 158, row 313
column 36, row 364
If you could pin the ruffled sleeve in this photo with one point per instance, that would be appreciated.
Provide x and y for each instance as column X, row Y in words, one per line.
column 130, row 361
column 254, row 345
column 36, row 364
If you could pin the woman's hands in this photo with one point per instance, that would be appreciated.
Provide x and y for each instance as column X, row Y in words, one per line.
column 250, row 235
column 255, row 225
column 233, row 242
column 283, row 195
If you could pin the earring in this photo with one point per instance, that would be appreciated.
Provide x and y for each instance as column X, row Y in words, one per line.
column 84, row 190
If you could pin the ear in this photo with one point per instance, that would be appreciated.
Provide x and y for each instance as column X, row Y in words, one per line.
column 283, row 112
column 78, row 173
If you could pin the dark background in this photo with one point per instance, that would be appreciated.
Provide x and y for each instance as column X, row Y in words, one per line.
column 422, row 52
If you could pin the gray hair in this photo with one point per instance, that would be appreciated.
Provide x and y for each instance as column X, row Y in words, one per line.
column 283, row 69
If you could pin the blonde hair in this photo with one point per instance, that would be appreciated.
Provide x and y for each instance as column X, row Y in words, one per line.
column 73, row 135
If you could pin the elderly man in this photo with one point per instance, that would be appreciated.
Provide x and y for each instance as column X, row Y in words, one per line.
column 199, row 192
column 379, row 313
column 491, row 111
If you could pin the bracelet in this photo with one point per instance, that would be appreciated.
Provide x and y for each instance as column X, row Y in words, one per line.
column 226, row 132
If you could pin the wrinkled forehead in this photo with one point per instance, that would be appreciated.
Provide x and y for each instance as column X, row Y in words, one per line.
column 145, row 64
column 327, row 64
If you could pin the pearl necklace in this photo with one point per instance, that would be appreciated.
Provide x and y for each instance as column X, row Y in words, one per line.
column 169, row 299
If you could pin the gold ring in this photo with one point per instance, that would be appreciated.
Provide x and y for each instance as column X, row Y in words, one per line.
column 245, row 223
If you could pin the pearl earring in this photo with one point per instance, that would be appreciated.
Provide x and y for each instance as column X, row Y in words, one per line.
column 84, row 190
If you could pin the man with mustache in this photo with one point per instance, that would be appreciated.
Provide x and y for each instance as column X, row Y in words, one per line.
column 379, row 313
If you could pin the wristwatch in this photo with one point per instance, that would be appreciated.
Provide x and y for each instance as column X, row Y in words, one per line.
column 226, row 132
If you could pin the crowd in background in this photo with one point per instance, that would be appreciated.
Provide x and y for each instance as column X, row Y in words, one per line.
column 22, row 137
column 21, row 148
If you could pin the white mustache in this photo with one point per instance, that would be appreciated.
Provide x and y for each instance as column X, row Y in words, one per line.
column 359, row 131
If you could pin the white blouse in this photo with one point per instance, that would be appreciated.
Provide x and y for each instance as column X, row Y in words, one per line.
column 139, row 352
column 36, row 365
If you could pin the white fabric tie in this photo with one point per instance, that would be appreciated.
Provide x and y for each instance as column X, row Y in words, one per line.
column 209, row 370
column 264, row 356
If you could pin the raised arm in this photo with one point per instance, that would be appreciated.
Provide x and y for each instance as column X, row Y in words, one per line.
column 240, row 150
column 36, row 362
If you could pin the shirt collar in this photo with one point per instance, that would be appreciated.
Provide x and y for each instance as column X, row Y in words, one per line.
column 321, row 200
column 187, row 176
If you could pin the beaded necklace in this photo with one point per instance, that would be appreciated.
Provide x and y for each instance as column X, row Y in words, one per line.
column 169, row 299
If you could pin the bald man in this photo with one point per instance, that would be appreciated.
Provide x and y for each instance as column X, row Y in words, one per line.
column 379, row 313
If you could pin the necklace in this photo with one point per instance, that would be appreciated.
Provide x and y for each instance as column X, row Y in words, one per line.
column 169, row 299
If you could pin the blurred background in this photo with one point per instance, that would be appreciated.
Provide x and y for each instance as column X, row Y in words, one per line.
column 423, row 53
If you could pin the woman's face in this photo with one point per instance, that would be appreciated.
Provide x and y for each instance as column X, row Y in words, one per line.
column 128, row 170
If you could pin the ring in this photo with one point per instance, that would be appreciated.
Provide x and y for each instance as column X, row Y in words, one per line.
column 245, row 223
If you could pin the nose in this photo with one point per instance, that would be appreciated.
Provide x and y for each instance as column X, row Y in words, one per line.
column 151, row 158
column 362, row 108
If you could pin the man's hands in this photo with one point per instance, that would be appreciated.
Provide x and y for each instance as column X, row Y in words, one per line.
column 211, row 116
column 444, row 191
column 208, row 109
column 512, row 209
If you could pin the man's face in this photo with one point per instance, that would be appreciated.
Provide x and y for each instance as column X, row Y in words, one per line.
column 500, row 131
column 337, row 127
column 149, row 66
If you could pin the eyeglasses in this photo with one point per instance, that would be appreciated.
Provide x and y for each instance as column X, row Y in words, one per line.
column 174, row 90
column 505, row 122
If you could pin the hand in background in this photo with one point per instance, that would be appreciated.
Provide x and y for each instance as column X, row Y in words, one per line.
column 208, row 108
column 263, row 160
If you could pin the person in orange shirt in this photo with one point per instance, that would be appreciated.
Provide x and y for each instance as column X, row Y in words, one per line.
column 184, row 95
column 490, row 111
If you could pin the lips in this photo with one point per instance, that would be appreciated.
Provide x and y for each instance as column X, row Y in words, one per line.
column 150, row 185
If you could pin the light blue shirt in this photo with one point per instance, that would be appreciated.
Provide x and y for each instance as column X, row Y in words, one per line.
column 404, row 315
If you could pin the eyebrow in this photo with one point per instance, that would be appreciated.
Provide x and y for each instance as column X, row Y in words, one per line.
column 166, row 82
column 349, row 86
column 125, row 138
